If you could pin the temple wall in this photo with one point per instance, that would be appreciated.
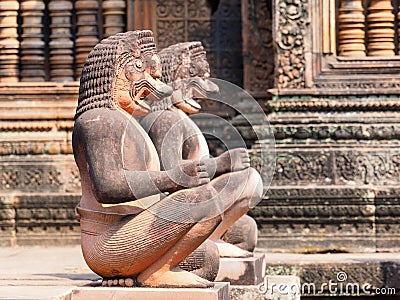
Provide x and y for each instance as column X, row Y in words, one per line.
column 43, row 45
column 331, row 98
column 334, row 114
column 39, row 181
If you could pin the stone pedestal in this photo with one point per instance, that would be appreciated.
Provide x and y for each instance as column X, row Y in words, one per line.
column 219, row 292
column 242, row 271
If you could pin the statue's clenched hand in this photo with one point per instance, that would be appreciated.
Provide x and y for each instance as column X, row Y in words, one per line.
column 189, row 174
column 238, row 159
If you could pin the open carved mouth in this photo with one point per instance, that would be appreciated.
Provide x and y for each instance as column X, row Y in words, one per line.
column 203, row 88
column 145, row 89
column 141, row 101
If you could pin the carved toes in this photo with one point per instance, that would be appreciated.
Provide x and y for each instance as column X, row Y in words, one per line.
column 119, row 282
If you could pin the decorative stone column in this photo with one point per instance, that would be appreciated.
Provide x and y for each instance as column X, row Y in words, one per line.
column 9, row 44
column 113, row 12
column 87, row 35
column 351, row 28
column 398, row 26
column 380, row 28
column 32, row 44
column 61, row 44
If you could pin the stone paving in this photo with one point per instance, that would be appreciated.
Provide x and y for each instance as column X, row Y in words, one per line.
column 42, row 273
column 33, row 273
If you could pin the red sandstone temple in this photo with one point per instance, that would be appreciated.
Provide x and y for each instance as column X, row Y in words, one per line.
column 326, row 72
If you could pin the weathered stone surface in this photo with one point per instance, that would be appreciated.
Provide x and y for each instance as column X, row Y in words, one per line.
column 242, row 271
column 219, row 292
column 7, row 221
column 358, row 273
column 336, row 171
column 38, row 177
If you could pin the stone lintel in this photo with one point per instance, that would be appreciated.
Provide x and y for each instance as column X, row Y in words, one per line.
column 219, row 292
column 242, row 271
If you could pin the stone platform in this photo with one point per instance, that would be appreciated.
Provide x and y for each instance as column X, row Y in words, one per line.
column 219, row 292
column 39, row 273
column 242, row 271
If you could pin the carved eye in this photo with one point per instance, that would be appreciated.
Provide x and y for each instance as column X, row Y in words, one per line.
column 138, row 64
column 192, row 70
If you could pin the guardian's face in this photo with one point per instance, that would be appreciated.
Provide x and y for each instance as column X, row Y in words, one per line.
column 195, row 86
column 138, row 79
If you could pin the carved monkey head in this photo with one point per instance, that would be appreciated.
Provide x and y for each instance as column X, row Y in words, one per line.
column 120, row 72
column 185, row 66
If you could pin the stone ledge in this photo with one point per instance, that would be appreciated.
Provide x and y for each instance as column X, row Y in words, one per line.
column 219, row 292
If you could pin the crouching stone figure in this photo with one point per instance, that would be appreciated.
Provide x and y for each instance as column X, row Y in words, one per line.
column 138, row 222
column 177, row 138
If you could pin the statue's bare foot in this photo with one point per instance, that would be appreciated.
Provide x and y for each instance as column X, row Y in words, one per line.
column 228, row 250
column 175, row 278
column 117, row 282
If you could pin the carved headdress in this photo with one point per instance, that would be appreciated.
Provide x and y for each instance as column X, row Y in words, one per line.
column 99, row 70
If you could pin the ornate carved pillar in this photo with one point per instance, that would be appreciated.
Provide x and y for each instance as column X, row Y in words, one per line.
column 32, row 45
column 398, row 25
column 113, row 12
column 61, row 44
column 9, row 44
column 87, row 35
column 351, row 28
column 380, row 28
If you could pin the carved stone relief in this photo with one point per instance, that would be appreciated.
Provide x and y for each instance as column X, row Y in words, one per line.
column 258, row 53
column 290, row 28
column 219, row 31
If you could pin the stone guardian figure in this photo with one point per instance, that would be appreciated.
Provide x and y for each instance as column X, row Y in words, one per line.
column 177, row 138
column 139, row 222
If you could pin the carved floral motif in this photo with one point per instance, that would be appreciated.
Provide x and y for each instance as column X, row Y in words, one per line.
column 367, row 168
column 292, row 23
column 337, row 132
column 299, row 167
column 39, row 178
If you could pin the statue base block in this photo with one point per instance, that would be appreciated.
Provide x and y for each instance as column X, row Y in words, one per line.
column 242, row 271
column 220, row 291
